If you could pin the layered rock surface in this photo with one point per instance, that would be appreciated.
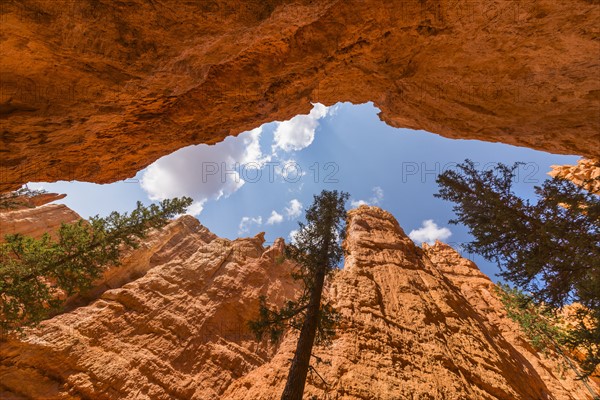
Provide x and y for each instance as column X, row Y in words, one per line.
column 97, row 90
column 176, row 332
column 417, row 324
column 19, row 202
column 586, row 173
column 36, row 221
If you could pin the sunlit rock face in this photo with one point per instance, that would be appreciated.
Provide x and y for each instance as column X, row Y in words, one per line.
column 35, row 221
column 97, row 90
column 416, row 323
column 176, row 332
column 586, row 173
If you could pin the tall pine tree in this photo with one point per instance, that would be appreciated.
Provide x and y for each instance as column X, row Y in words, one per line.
column 317, row 250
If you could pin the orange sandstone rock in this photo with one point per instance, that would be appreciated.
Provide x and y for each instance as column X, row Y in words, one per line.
column 585, row 173
column 416, row 324
column 36, row 221
column 96, row 91
column 176, row 332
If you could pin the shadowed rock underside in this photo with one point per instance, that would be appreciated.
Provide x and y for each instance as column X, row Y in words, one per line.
column 97, row 90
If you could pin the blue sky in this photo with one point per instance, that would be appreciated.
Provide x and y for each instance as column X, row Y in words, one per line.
column 282, row 165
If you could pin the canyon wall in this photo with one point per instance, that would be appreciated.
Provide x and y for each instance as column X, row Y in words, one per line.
column 416, row 324
column 97, row 90
column 171, row 327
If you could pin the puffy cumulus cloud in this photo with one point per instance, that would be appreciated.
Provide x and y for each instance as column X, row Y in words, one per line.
column 196, row 207
column 429, row 232
column 372, row 201
column 275, row 218
column 294, row 210
column 299, row 132
column 247, row 222
column 204, row 172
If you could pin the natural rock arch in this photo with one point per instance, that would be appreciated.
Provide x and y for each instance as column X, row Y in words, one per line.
column 96, row 91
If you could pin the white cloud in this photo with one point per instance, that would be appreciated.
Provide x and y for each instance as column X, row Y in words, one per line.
column 34, row 186
column 292, row 236
column 333, row 110
column 247, row 222
column 196, row 207
column 206, row 172
column 203, row 172
column 429, row 232
column 299, row 132
column 378, row 194
column 294, row 210
column 275, row 218
column 373, row 201
column 358, row 203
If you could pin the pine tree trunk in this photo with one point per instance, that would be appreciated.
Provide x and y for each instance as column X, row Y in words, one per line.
column 294, row 388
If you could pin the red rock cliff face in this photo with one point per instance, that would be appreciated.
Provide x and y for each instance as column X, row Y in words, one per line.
column 417, row 324
column 175, row 333
column 97, row 90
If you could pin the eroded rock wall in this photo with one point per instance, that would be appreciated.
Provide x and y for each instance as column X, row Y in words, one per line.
column 177, row 332
column 417, row 323
column 97, row 90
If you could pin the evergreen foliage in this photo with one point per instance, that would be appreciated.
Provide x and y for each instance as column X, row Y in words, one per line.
column 550, row 248
column 317, row 251
column 540, row 323
column 36, row 273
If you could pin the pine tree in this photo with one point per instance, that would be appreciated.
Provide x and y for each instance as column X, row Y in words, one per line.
column 35, row 272
column 317, row 251
column 540, row 323
column 544, row 327
column 549, row 249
